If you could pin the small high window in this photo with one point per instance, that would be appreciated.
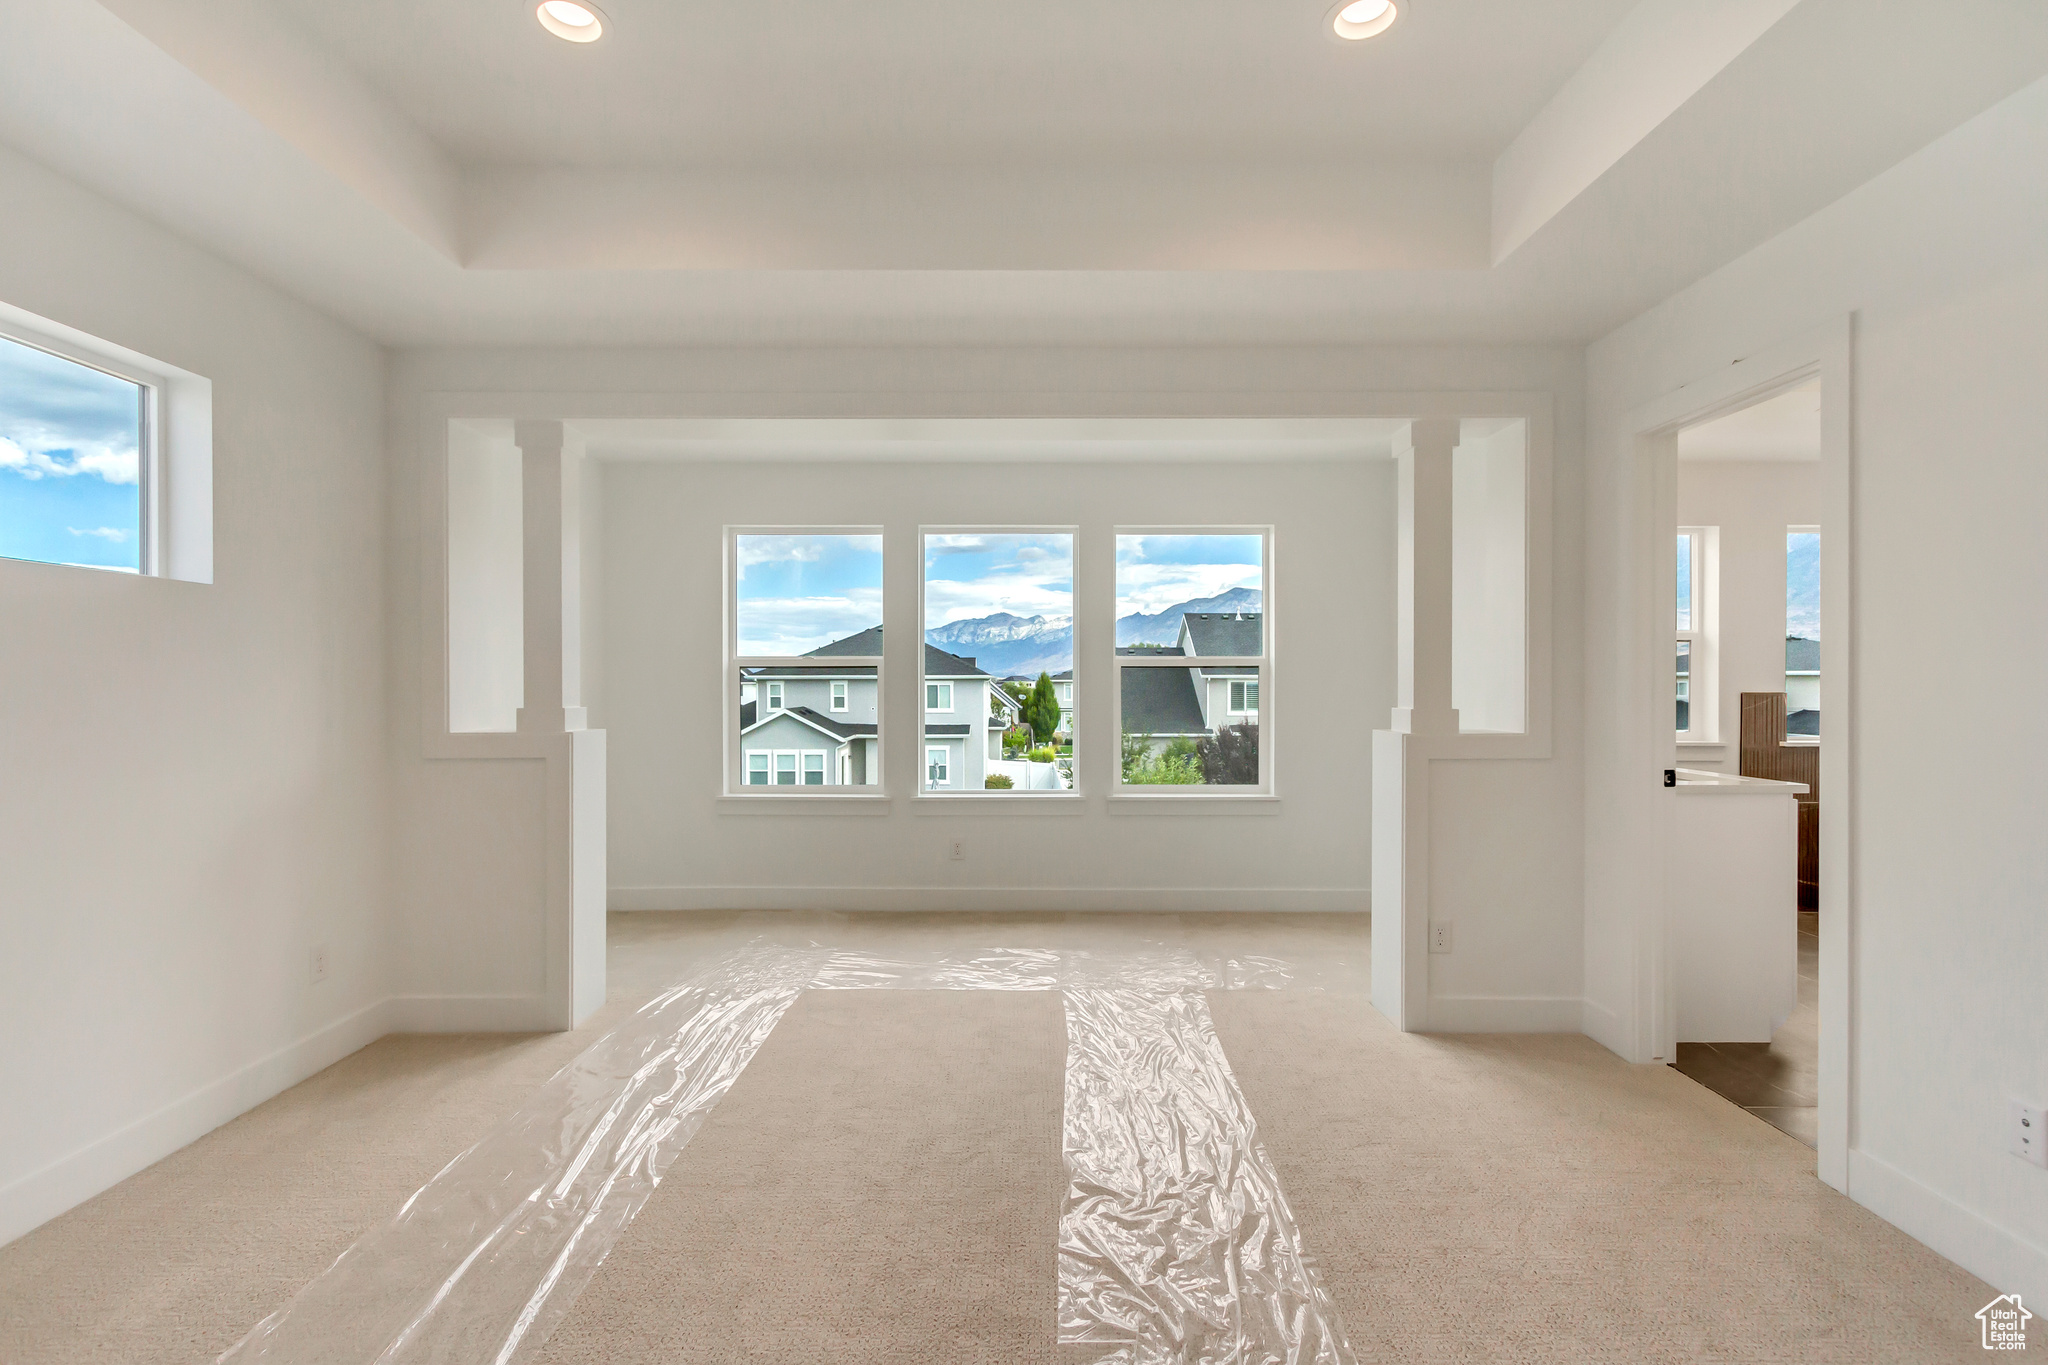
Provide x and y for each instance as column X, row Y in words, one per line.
column 73, row 462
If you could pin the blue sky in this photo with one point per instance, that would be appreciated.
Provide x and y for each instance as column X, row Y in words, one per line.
column 970, row 576
column 1156, row 572
column 68, row 461
column 799, row 592
column 1802, row 584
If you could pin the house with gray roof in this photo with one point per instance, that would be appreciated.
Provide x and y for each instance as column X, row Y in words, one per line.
column 1802, row 686
column 818, row 725
column 1165, row 704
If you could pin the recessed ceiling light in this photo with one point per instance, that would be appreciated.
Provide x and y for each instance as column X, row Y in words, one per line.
column 1355, row 19
column 576, row 20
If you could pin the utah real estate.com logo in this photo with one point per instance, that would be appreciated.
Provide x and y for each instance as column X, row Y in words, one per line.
column 2005, row 1323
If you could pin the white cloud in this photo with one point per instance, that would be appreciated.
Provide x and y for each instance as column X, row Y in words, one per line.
column 113, row 533
column 796, row 625
column 36, row 461
column 1151, row 588
column 1021, row 591
column 800, row 549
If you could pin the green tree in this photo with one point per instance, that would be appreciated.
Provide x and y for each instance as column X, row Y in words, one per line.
column 1231, row 758
column 1174, row 766
column 1042, row 709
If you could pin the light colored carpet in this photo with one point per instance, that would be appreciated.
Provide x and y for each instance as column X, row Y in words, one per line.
column 175, row 1263
column 883, row 1183
column 1472, row 1199
column 1534, row 1198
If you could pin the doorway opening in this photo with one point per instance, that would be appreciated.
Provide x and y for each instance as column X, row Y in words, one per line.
column 1743, row 866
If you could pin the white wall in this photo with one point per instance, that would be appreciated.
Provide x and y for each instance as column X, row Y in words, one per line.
column 193, row 791
column 674, row 845
column 1751, row 502
column 1944, row 261
column 469, row 915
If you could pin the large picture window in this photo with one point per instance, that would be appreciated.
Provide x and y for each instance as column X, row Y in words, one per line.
column 1193, row 661
column 806, row 650
column 72, row 462
column 998, row 612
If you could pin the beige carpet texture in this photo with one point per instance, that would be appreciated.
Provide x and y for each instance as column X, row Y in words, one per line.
column 1535, row 1198
column 883, row 1183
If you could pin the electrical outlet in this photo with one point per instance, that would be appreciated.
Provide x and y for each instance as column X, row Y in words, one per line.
column 320, row 963
column 2028, row 1142
column 1439, row 936
column 956, row 850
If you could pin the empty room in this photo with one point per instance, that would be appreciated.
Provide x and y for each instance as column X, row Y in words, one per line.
column 693, row 681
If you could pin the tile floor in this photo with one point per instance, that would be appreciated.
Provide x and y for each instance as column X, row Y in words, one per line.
column 1777, row 1081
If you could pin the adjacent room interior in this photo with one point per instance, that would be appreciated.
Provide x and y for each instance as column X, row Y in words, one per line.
column 1129, row 686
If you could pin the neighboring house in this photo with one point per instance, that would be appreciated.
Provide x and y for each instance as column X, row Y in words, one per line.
column 1802, row 686
column 818, row 725
column 1063, row 692
column 1165, row 704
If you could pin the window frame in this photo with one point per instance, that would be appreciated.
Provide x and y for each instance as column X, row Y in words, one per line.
column 1266, row 788
column 773, row 694
column 1703, row 681
column 736, row 665
column 934, row 688
column 1689, row 635
column 150, row 561
column 841, row 698
column 976, row 740
column 945, row 765
column 1790, row 531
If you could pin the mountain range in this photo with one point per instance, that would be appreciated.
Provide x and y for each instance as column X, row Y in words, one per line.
column 1163, row 628
column 1012, row 646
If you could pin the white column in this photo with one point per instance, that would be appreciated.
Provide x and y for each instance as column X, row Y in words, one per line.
column 552, row 579
column 1424, row 725
column 555, row 720
column 1423, row 592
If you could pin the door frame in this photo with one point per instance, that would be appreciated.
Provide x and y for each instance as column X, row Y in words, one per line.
column 1826, row 352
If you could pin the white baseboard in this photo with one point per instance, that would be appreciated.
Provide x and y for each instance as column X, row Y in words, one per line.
column 69, row 1181
column 1505, row 1014
column 983, row 899
column 1999, row 1256
column 469, row 1014
column 1603, row 1026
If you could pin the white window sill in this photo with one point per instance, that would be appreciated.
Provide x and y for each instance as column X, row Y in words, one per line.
column 999, row 802
column 1804, row 741
column 1194, row 803
column 771, row 802
column 1698, row 745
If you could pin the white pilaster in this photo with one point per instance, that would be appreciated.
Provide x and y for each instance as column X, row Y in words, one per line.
column 1423, row 591
column 1424, row 724
column 551, row 480
column 554, row 718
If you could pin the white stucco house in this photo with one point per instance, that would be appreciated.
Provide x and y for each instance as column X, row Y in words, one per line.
column 805, row 725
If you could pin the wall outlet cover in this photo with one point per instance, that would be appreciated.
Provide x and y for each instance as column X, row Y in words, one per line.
column 2027, row 1141
column 1440, row 936
column 956, row 850
column 320, row 964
